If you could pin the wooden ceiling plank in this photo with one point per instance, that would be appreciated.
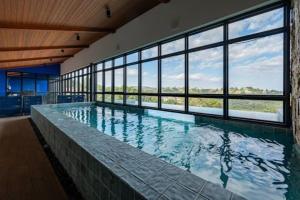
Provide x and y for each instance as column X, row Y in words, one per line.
column 43, row 48
column 55, row 28
column 35, row 58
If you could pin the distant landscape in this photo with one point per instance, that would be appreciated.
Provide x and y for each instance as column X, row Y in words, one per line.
column 247, row 105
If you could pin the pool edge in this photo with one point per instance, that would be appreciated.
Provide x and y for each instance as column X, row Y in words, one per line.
column 118, row 168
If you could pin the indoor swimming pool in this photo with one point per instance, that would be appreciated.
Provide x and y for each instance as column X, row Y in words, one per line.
column 250, row 162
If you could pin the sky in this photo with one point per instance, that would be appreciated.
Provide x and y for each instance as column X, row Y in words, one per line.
column 255, row 63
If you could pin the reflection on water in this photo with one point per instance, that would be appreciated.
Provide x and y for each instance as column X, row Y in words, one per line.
column 248, row 163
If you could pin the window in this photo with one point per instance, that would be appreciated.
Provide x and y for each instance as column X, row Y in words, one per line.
column 172, row 47
column 172, row 103
column 132, row 79
column 134, row 57
column 206, row 71
column 150, row 53
column 118, row 98
column 263, row 22
column 119, row 80
column 207, row 37
column 256, row 66
column 108, row 83
column 239, row 62
column 173, row 74
column 150, row 77
column 99, row 82
column 107, row 98
column 132, row 100
column 108, row 64
column 119, row 61
column 28, row 86
column 41, row 87
column 150, row 101
column 206, row 105
column 256, row 109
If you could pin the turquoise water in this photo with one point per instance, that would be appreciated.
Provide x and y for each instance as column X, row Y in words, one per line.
column 251, row 163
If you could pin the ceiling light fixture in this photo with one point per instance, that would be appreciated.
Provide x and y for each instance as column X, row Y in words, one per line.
column 108, row 11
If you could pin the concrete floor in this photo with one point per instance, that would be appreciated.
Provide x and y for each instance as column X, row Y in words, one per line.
column 25, row 171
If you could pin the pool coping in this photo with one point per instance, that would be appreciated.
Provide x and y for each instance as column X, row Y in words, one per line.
column 102, row 166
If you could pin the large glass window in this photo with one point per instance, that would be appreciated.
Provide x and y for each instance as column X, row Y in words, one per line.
column 235, row 68
column 150, row 77
column 172, row 47
column 172, row 70
column 256, row 66
column 256, row 109
column 119, row 80
column 207, row 37
column 258, row 23
column 206, row 71
column 132, row 78
column 108, row 83
column 99, row 82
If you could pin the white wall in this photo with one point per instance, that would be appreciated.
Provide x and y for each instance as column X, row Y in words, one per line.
column 158, row 23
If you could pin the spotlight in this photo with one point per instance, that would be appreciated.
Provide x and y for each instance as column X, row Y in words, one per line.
column 108, row 11
column 77, row 36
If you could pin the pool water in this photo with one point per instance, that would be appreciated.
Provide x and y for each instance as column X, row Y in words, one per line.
column 248, row 162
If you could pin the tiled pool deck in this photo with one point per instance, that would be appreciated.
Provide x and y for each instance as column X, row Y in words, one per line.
column 103, row 167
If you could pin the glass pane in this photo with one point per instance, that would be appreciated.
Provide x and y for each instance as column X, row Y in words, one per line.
column 207, row 37
column 150, row 101
column 107, row 98
column 173, row 74
column 14, row 84
column 41, row 87
column 263, row 22
column 172, row 103
column 99, row 82
column 28, row 86
column 99, row 66
column 206, row 105
column 150, row 53
column 256, row 109
column 134, row 57
column 99, row 97
column 85, row 83
column 150, row 77
column 256, row 66
column 108, row 83
column 119, row 80
column 108, row 64
column 132, row 79
column 118, row 98
column 172, row 47
column 206, row 71
column 119, row 61
column 132, row 100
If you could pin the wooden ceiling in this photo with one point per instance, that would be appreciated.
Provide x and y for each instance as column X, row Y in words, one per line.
column 35, row 32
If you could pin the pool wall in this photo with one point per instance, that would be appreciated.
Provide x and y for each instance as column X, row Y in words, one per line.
column 104, row 168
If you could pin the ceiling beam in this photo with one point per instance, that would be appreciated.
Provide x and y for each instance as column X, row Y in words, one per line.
column 36, row 58
column 55, row 28
column 34, row 65
column 43, row 48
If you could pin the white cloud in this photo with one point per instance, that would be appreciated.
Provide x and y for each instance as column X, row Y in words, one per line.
column 258, row 23
column 206, row 37
column 174, row 46
column 132, row 72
